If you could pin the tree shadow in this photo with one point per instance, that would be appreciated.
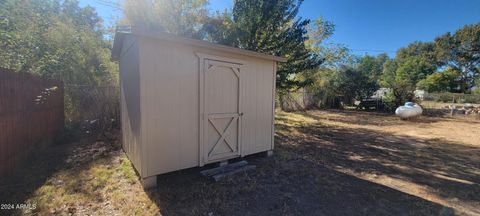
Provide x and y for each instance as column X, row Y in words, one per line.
column 284, row 185
column 71, row 159
column 33, row 173
column 448, row 170
column 301, row 179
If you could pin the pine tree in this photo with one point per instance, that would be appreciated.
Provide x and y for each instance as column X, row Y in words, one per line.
column 271, row 27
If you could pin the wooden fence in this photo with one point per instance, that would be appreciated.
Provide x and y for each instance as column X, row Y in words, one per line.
column 31, row 114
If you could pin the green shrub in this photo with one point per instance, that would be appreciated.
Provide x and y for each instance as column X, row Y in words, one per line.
column 476, row 90
column 472, row 99
column 446, row 98
column 389, row 101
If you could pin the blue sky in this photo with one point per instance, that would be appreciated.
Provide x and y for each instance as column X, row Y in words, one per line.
column 371, row 26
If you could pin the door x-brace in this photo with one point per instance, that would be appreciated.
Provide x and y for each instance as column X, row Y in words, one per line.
column 223, row 137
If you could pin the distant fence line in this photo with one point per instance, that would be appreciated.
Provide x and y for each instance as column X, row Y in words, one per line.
column 294, row 101
column 31, row 114
column 92, row 109
column 448, row 97
column 303, row 100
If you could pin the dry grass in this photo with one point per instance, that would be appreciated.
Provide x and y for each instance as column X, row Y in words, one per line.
column 94, row 178
column 325, row 163
column 436, row 159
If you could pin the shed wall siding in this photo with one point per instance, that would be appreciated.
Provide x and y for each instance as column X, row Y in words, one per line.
column 257, row 106
column 170, row 104
column 130, row 101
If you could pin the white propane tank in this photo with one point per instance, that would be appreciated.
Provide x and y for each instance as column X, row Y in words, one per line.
column 409, row 110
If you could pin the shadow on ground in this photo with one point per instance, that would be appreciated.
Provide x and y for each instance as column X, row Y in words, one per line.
column 59, row 179
column 33, row 173
column 284, row 185
column 316, row 170
column 432, row 168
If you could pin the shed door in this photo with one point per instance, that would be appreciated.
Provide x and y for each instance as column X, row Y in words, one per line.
column 222, row 114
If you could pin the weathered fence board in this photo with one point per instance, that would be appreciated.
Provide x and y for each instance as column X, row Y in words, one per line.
column 31, row 114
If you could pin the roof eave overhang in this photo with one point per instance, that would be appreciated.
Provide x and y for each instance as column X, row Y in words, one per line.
column 118, row 42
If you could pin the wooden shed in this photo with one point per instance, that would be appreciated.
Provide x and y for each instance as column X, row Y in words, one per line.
column 187, row 103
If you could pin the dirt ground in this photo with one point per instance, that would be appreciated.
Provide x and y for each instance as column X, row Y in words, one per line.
column 435, row 159
column 325, row 163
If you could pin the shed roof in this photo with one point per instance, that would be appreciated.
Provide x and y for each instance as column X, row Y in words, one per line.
column 120, row 35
